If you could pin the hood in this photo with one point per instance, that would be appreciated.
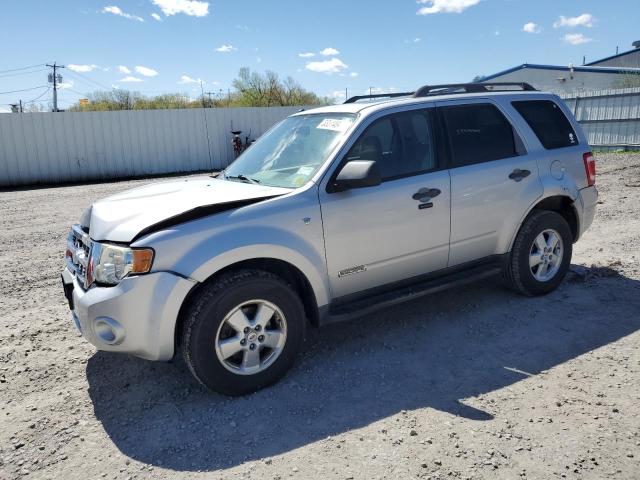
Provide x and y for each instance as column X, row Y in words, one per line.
column 127, row 215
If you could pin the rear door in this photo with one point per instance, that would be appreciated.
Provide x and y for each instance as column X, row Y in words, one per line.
column 493, row 178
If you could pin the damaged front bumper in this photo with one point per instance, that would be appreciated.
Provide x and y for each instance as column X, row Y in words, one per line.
column 138, row 316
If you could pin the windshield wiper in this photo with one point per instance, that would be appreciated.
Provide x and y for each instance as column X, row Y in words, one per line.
column 242, row 178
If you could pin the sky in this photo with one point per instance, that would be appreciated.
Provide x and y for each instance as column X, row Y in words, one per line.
column 329, row 46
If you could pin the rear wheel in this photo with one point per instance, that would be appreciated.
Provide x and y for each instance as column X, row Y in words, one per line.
column 541, row 254
column 242, row 332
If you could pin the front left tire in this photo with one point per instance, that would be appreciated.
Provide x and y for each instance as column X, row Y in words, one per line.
column 242, row 332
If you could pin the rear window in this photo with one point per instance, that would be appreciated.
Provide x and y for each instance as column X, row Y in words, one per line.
column 478, row 133
column 548, row 122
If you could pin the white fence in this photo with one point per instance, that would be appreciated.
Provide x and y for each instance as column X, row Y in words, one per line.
column 81, row 146
column 610, row 118
column 39, row 148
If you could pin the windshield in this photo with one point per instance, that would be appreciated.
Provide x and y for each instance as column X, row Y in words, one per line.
column 289, row 154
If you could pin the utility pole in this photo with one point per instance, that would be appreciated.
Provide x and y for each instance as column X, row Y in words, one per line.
column 202, row 93
column 209, row 95
column 55, row 78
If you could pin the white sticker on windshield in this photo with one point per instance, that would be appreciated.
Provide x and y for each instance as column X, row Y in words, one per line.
column 337, row 125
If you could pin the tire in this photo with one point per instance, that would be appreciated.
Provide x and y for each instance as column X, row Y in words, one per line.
column 211, row 330
column 519, row 274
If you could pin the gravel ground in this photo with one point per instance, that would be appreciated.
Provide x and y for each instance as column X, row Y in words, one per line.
column 471, row 383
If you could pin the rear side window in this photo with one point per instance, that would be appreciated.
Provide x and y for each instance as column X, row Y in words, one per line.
column 478, row 133
column 548, row 122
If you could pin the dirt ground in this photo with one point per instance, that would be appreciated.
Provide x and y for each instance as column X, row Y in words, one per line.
column 471, row 383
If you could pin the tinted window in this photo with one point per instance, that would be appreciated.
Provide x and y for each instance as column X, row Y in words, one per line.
column 478, row 133
column 548, row 122
column 401, row 144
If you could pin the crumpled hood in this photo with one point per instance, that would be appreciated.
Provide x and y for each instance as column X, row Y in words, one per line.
column 121, row 217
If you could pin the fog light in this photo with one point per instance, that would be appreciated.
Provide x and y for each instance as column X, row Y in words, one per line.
column 108, row 330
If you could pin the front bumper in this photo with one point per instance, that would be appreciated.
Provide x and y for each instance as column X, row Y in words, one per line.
column 138, row 316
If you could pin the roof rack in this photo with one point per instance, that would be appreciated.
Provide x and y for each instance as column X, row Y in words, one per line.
column 452, row 88
column 378, row 95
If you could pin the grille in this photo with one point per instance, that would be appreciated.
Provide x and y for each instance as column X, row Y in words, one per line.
column 78, row 252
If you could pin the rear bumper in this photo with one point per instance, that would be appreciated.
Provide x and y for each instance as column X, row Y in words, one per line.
column 137, row 316
column 588, row 200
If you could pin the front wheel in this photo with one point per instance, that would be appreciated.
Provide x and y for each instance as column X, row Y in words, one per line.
column 541, row 254
column 242, row 332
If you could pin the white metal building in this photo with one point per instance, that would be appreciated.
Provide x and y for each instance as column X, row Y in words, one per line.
column 619, row 71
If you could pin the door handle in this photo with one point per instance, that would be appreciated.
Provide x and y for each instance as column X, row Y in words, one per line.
column 518, row 174
column 425, row 195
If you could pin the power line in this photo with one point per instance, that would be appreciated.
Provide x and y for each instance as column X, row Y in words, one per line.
column 39, row 96
column 22, row 73
column 24, row 89
column 79, row 75
column 22, row 68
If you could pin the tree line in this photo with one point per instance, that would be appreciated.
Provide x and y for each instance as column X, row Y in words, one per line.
column 250, row 89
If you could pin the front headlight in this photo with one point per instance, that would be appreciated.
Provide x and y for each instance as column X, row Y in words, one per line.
column 109, row 264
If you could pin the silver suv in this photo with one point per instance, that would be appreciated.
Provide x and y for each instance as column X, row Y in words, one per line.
column 333, row 213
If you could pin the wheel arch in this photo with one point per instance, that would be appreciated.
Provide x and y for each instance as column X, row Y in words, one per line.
column 283, row 269
column 560, row 204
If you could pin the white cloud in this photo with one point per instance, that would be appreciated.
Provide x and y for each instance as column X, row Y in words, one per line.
column 4, row 110
column 226, row 48
column 306, row 55
column 335, row 65
column 353, row 74
column 65, row 84
column 184, row 79
column 123, row 69
column 327, row 52
column 118, row 11
column 81, row 68
column 157, row 17
column 584, row 20
column 193, row 8
column 576, row 38
column 445, row 6
column 146, row 71
column 497, row 33
column 531, row 27
column 130, row 79
column 244, row 28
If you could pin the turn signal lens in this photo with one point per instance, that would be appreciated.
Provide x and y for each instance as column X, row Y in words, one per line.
column 142, row 260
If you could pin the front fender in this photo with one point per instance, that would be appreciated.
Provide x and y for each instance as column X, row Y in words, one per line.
column 289, row 230
column 215, row 254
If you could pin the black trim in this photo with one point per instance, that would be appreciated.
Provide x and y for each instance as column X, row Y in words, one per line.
column 458, row 88
column 197, row 213
column 377, row 95
column 362, row 303
column 68, row 292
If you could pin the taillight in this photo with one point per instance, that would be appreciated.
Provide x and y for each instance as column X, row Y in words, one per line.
column 590, row 168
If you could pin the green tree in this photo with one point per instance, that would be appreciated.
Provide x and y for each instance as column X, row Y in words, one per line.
column 251, row 89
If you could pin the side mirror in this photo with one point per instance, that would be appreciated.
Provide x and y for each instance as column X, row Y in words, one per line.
column 357, row 174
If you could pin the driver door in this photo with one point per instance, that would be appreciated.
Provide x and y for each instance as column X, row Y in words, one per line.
column 386, row 233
